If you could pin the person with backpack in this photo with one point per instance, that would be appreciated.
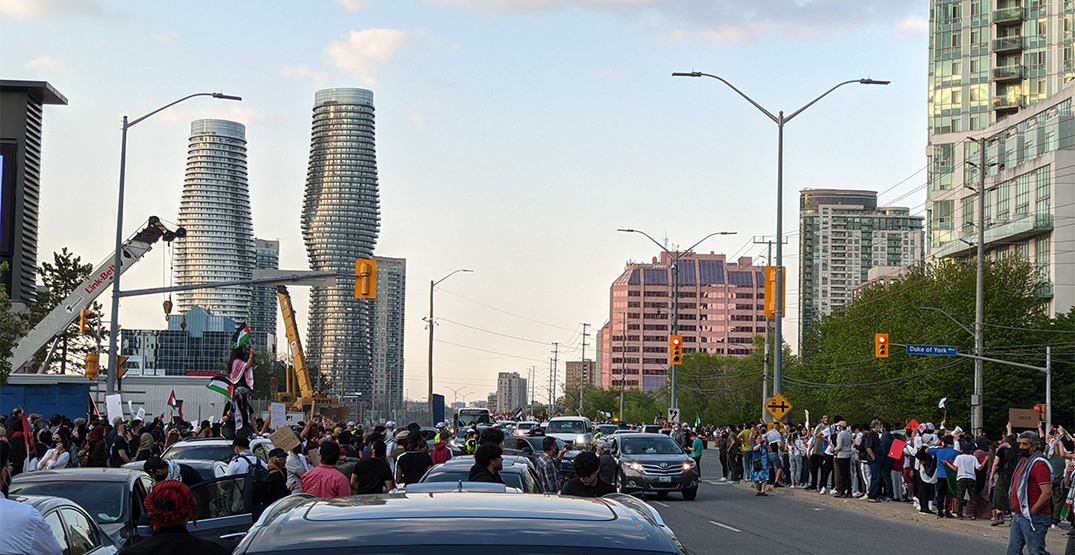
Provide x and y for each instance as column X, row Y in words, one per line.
column 1004, row 463
column 240, row 463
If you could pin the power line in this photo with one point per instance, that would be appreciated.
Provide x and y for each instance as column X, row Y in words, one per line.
column 507, row 312
column 442, row 319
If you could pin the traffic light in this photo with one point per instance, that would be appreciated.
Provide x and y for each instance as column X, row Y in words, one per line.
column 1041, row 412
column 82, row 313
column 675, row 350
column 120, row 370
column 880, row 345
column 365, row 279
column 770, row 292
column 93, row 361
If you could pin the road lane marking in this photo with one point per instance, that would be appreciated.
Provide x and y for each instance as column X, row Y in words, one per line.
column 725, row 526
column 661, row 504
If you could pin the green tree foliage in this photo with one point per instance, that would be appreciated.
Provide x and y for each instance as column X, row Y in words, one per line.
column 841, row 375
column 267, row 367
column 60, row 278
column 11, row 329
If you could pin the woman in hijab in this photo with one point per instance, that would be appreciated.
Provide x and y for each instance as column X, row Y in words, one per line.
column 20, row 442
column 97, row 456
column 983, row 451
column 145, row 446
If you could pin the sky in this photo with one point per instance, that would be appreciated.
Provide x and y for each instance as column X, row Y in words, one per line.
column 513, row 138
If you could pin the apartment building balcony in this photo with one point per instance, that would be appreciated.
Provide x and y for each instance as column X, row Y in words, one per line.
column 1013, row 72
column 1006, row 103
column 1009, row 15
column 1007, row 44
column 1019, row 227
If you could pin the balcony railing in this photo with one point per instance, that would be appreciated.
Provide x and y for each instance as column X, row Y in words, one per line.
column 1005, row 103
column 1007, row 73
column 1007, row 15
column 1024, row 225
column 1006, row 44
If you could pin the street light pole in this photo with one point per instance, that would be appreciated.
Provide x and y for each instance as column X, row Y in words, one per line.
column 779, row 120
column 432, row 284
column 117, row 262
column 674, row 256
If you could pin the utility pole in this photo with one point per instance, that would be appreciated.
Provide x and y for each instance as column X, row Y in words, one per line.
column 583, row 374
column 768, row 349
column 555, row 364
column 979, row 297
column 674, row 398
column 548, row 409
column 1048, row 387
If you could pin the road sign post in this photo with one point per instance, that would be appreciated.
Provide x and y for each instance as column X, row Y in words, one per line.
column 778, row 406
column 673, row 415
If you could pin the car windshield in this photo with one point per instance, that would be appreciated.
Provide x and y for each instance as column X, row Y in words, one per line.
column 608, row 429
column 566, row 427
column 538, row 443
column 196, row 452
column 104, row 501
column 654, row 445
column 511, row 479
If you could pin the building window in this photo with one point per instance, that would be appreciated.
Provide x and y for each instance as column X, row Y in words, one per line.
column 1043, row 191
column 1022, row 194
column 1042, row 257
column 1002, row 202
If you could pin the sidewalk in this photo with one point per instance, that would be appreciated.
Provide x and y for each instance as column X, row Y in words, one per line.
column 1055, row 540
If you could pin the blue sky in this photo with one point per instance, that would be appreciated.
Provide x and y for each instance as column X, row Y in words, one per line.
column 513, row 136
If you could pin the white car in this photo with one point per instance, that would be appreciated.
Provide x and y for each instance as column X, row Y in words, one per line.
column 523, row 428
column 571, row 429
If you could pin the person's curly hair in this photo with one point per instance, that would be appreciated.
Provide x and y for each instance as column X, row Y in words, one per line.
column 170, row 502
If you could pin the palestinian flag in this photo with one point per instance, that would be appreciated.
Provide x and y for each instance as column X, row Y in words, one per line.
column 241, row 335
column 93, row 404
column 697, row 421
column 171, row 400
column 519, row 414
column 220, row 385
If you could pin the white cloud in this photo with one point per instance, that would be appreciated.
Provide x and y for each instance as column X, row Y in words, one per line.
column 32, row 9
column 319, row 78
column 166, row 37
column 47, row 63
column 416, row 118
column 912, row 26
column 215, row 109
column 353, row 5
column 363, row 53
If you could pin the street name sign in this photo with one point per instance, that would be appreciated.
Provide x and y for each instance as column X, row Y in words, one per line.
column 932, row 350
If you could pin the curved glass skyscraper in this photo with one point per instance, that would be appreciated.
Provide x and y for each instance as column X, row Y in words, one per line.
column 340, row 222
column 215, row 210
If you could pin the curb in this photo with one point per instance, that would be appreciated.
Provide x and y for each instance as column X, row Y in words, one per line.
column 1055, row 541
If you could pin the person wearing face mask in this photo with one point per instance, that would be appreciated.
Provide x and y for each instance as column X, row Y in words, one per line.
column 1030, row 495
column 843, row 453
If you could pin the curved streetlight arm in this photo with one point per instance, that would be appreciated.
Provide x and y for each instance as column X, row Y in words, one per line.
column 708, row 236
column 450, row 275
column 648, row 237
column 950, row 317
column 188, row 97
column 741, row 93
column 826, row 93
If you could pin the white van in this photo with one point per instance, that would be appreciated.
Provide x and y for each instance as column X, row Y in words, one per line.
column 571, row 429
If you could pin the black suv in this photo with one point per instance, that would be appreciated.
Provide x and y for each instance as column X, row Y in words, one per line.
column 653, row 463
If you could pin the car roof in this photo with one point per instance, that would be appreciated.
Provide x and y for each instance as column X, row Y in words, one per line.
column 79, row 475
column 44, row 503
column 509, row 466
column 401, row 519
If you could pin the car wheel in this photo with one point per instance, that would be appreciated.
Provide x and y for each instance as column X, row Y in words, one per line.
column 690, row 494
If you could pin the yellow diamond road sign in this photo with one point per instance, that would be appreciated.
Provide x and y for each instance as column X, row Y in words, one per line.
column 778, row 406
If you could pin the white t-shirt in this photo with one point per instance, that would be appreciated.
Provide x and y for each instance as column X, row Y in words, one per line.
column 240, row 464
column 966, row 465
column 292, row 464
column 25, row 531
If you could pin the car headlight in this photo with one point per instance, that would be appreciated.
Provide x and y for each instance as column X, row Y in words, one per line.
column 580, row 439
column 687, row 466
column 635, row 466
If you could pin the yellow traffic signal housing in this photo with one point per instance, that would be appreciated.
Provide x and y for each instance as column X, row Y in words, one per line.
column 120, row 370
column 770, row 292
column 880, row 345
column 675, row 350
column 82, row 313
column 93, row 361
column 365, row 279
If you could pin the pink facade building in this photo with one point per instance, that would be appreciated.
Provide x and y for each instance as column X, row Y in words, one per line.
column 721, row 309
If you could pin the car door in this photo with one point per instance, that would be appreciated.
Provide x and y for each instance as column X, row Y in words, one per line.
column 224, row 510
column 82, row 534
column 52, row 518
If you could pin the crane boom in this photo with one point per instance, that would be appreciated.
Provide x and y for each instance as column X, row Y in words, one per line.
column 294, row 346
column 133, row 250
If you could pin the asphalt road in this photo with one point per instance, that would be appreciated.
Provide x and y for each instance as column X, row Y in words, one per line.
column 728, row 518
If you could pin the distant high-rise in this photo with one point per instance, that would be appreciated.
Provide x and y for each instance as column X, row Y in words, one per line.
column 340, row 222
column 510, row 392
column 388, row 332
column 263, row 305
column 842, row 234
column 215, row 211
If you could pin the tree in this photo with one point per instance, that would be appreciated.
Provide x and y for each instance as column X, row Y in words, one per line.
column 60, row 278
column 267, row 367
column 11, row 329
column 839, row 373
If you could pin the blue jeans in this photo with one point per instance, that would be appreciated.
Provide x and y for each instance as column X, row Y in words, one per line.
column 875, row 479
column 796, row 462
column 1021, row 534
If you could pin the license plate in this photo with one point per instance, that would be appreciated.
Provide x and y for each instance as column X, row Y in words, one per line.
column 665, row 479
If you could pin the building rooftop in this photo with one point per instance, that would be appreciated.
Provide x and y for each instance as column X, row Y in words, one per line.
column 41, row 90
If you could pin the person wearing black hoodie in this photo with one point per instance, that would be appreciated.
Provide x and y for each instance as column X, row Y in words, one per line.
column 488, row 461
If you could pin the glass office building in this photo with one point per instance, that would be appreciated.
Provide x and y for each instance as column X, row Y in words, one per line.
column 264, row 302
column 388, row 332
column 215, row 211
column 340, row 223
column 195, row 343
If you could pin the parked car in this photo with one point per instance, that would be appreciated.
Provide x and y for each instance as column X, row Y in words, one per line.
column 653, row 463
column 571, row 429
column 214, row 449
column 516, row 474
column 651, row 429
column 206, row 469
column 469, row 523
column 530, row 447
column 523, row 428
column 111, row 496
column 72, row 527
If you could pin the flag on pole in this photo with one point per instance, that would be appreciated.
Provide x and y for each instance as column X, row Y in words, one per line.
column 943, row 404
column 220, row 385
column 697, row 420
column 519, row 414
column 93, row 404
column 179, row 407
column 241, row 335
column 171, row 400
